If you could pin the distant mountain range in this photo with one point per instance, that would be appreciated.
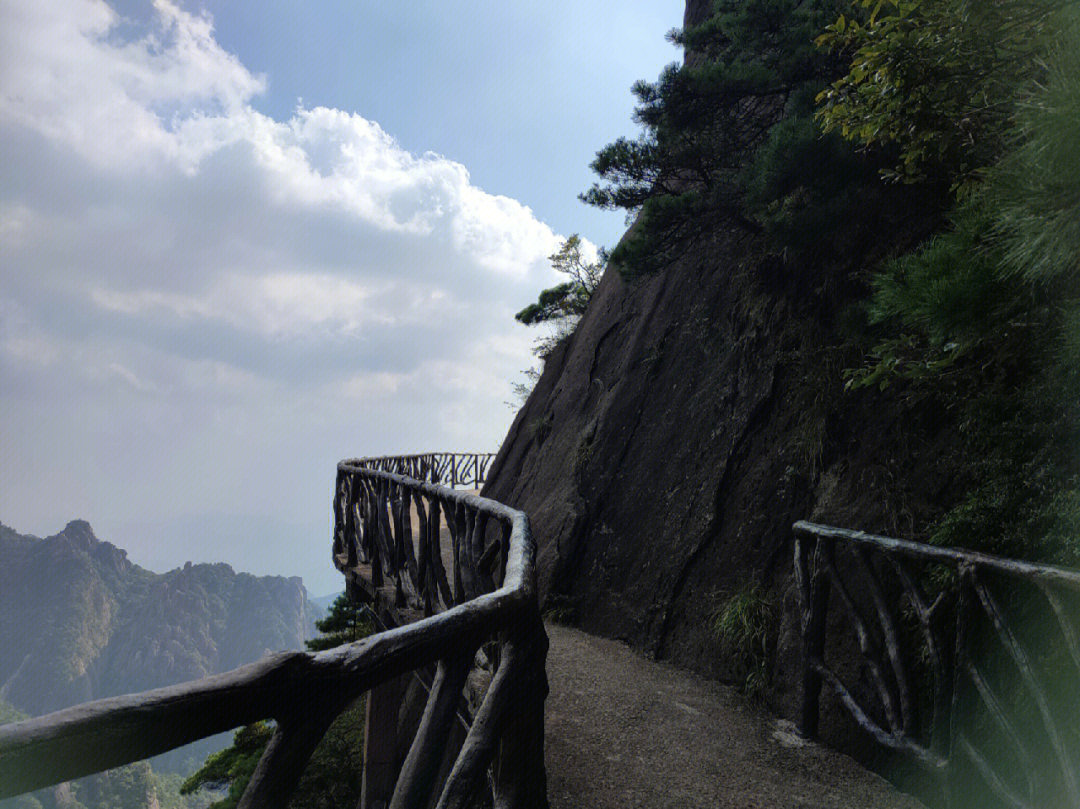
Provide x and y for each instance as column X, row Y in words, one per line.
column 79, row 621
column 323, row 602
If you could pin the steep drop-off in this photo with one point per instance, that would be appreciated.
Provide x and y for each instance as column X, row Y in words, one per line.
column 79, row 621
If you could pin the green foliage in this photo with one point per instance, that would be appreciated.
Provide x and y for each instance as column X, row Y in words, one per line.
column 132, row 786
column 1037, row 190
column 345, row 622
column 333, row 776
column 232, row 767
column 25, row 802
column 561, row 305
column 127, row 787
column 9, row 713
column 541, row 428
column 936, row 79
column 569, row 299
column 744, row 624
column 985, row 321
column 560, row 609
column 330, row 781
column 168, row 794
column 804, row 187
column 728, row 134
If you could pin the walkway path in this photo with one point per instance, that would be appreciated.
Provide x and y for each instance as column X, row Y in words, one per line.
column 624, row 732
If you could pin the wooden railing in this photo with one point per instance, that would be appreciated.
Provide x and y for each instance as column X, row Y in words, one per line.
column 453, row 469
column 417, row 549
column 482, row 617
column 966, row 664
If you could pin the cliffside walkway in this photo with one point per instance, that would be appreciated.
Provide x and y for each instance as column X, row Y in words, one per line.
column 624, row 732
column 966, row 664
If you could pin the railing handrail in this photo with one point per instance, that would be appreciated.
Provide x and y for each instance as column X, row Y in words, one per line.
column 519, row 582
column 956, row 557
column 99, row 735
column 984, row 684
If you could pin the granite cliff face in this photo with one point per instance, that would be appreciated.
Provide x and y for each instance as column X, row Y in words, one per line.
column 694, row 415
column 79, row 621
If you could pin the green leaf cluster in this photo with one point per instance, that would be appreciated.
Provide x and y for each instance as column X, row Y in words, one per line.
column 985, row 319
column 729, row 134
column 744, row 623
column 9, row 713
column 231, row 769
column 934, row 79
column 568, row 300
column 345, row 622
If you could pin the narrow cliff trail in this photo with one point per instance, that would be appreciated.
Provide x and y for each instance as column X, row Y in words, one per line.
column 624, row 732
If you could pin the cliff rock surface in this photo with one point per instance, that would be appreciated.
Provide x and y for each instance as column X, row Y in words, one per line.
column 695, row 414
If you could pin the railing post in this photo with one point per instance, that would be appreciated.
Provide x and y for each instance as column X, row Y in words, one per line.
column 520, row 776
column 814, row 600
column 380, row 744
column 952, row 788
column 419, row 774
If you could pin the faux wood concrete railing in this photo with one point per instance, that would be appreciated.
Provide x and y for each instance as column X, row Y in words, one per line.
column 451, row 469
column 966, row 664
column 487, row 616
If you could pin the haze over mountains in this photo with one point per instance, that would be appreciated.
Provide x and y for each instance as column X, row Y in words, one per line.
column 79, row 621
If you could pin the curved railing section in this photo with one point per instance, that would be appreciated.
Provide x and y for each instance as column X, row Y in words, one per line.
column 453, row 469
column 964, row 663
column 481, row 619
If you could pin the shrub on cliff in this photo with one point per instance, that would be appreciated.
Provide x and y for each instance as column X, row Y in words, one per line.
column 986, row 317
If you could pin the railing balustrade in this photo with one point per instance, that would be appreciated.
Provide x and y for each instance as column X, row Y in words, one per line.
column 967, row 664
column 476, row 614
column 450, row 469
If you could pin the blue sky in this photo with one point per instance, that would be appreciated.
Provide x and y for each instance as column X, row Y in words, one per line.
column 522, row 94
column 240, row 241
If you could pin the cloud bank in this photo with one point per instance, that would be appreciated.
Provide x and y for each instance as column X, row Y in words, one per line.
column 203, row 308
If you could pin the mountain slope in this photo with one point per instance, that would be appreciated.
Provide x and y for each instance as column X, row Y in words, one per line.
column 79, row 621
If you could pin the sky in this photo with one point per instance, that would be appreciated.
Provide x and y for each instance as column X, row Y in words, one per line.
column 240, row 241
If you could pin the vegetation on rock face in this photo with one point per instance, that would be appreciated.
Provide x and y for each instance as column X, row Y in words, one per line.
column 936, row 79
column 568, row 300
column 344, row 622
column 744, row 624
column 9, row 713
column 729, row 135
column 985, row 318
column 783, row 119
column 332, row 779
column 561, row 305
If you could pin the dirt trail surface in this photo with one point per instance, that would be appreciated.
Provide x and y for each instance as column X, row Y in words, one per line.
column 624, row 732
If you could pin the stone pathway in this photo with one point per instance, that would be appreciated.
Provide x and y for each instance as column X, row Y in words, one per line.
column 624, row 732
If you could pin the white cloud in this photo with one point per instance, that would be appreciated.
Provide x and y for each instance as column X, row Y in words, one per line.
column 62, row 74
column 191, row 288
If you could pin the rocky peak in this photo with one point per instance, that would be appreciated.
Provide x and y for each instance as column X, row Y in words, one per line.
column 80, row 535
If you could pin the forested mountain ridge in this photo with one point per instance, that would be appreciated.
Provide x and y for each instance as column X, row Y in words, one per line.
column 80, row 621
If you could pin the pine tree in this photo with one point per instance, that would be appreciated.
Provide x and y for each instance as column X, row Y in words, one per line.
column 345, row 622
column 753, row 65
